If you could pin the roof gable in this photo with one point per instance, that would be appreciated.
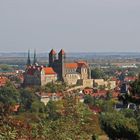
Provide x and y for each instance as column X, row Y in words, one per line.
column 49, row 71
column 71, row 65
column 78, row 64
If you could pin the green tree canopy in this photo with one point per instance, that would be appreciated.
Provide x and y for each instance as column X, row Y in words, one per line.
column 27, row 97
column 9, row 94
column 117, row 126
column 97, row 73
column 54, row 87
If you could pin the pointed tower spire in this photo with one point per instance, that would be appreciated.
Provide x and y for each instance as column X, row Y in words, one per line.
column 35, row 59
column 28, row 59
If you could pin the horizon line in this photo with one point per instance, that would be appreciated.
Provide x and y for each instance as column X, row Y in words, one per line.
column 39, row 52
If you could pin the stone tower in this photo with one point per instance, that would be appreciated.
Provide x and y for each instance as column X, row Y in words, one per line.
column 52, row 57
column 61, row 59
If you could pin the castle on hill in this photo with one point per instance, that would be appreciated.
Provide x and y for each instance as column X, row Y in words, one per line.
column 77, row 72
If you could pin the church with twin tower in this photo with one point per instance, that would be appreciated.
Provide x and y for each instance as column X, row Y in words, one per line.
column 76, row 72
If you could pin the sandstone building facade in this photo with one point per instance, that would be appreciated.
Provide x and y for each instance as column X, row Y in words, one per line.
column 58, row 69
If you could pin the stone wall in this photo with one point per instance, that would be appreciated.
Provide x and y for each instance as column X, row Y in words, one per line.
column 86, row 82
column 71, row 79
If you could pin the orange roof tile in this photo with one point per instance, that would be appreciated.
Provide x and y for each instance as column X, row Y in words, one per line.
column 3, row 80
column 49, row 70
column 115, row 94
column 76, row 64
column 88, row 91
column 82, row 63
column 71, row 65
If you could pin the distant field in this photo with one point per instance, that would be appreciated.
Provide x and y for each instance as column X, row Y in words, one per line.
column 92, row 58
column 19, row 60
column 78, row 54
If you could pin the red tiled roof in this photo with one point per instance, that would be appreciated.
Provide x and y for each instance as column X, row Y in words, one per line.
column 76, row 65
column 129, row 78
column 102, row 91
column 3, row 80
column 71, row 65
column 82, row 64
column 59, row 94
column 49, row 70
column 88, row 91
column 114, row 79
column 32, row 69
column 99, row 94
column 49, row 94
column 95, row 94
column 115, row 94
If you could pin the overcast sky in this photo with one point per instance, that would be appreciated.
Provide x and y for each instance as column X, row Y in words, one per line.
column 74, row 25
